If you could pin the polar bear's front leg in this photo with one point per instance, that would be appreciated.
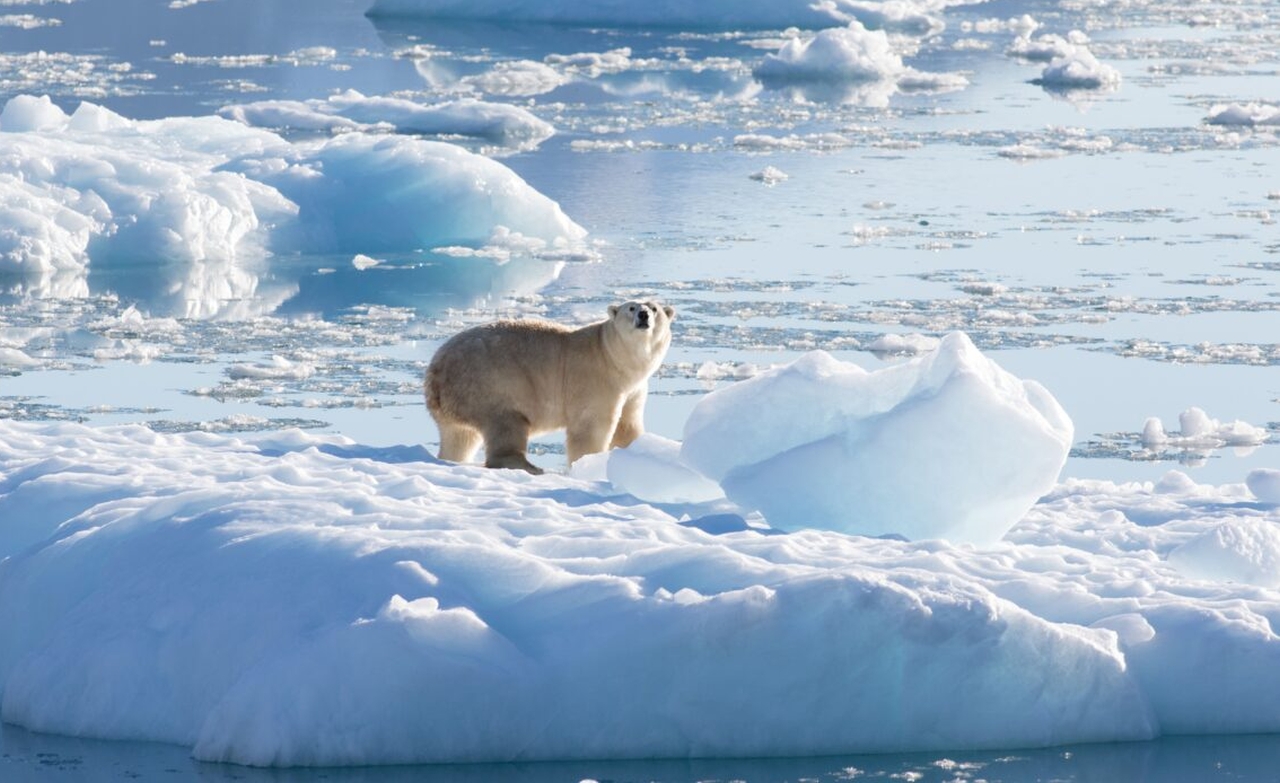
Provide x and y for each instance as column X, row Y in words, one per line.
column 589, row 432
column 631, row 422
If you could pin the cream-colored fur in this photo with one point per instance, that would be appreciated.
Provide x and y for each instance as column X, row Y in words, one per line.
column 503, row 382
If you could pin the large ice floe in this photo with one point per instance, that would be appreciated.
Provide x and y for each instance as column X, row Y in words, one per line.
column 295, row 599
column 210, row 196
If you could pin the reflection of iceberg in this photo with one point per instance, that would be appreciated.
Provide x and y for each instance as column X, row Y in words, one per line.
column 183, row 214
column 429, row 282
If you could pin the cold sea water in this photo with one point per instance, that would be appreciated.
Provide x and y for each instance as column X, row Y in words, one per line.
column 1116, row 242
column 25, row 756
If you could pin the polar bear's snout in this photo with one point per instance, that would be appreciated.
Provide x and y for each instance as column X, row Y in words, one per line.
column 642, row 317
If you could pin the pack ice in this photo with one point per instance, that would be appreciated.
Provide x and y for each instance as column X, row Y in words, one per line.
column 946, row 445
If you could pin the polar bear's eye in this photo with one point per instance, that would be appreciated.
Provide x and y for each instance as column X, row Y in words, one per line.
column 633, row 308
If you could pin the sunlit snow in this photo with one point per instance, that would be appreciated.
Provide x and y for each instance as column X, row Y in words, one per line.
column 946, row 276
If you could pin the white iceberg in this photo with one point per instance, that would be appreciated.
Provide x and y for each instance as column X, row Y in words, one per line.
column 823, row 443
column 212, row 199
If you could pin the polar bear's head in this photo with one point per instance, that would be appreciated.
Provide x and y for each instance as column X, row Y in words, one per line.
column 645, row 328
column 643, row 316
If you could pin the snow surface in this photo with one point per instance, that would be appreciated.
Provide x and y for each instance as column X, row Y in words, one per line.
column 823, row 443
column 296, row 599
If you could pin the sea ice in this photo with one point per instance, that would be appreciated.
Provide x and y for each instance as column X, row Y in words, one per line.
column 496, row 122
column 298, row 599
column 948, row 445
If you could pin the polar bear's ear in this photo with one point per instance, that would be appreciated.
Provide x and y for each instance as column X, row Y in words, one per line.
column 670, row 311
column 613, row 310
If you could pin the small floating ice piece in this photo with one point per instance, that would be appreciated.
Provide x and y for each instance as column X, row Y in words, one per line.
column 770, row 176
column 1244, row 114
column 1199, row 431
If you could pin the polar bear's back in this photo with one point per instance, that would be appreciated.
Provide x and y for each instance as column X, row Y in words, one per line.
column 506, row 366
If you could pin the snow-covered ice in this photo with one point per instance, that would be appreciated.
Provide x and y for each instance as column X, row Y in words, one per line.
column 823, row 443
column 297, row 599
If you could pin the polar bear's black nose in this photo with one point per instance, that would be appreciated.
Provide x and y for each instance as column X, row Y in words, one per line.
column 642, row 319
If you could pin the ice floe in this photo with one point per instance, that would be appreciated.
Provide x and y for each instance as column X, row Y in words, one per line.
column 1246, row 114
column 213, row 199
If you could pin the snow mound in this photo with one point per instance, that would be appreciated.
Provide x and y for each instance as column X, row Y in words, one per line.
column 1241, row 550
column 948, row 445
column 210, row 197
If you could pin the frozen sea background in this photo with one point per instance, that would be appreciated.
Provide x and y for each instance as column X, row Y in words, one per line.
column 1112, row 243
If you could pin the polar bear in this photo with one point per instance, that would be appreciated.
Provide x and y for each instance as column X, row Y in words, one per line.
column 503, row 382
